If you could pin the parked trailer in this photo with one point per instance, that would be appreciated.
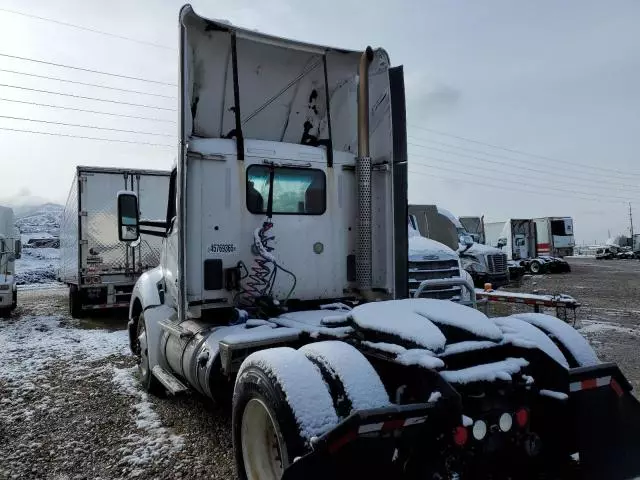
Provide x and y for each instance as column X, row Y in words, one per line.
column 10, row 247
column 554, row 236
column 99, row 269
column 288, row 286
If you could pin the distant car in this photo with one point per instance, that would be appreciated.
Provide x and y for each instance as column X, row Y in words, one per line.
column 627, row 254
column 604, row 253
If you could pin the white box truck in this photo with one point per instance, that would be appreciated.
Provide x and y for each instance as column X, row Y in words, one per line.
column 516, row 237
column 99, row 269
column 554, row 236
column 10, row 247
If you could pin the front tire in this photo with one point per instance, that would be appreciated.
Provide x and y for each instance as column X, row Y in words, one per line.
column 150, row 383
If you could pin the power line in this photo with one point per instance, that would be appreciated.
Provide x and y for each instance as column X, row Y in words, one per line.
column 86, row 111
column 85, row 126
column 598, row 181
column 87, row 98
column 520, row 152
column 86, row 69
column 586, row 176
column 121, row 37
column 502, row 187
column 527, row 184
column 87, row 84
column 85, row 138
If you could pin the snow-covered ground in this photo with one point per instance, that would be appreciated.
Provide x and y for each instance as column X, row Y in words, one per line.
column 37, row 265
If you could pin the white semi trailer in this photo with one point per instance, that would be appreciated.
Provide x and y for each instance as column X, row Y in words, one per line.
column 10, row 248
column 554, row 236
column 283, row 289
column 99, row 269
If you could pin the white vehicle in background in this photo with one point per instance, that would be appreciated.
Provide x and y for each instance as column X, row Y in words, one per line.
column 436, row 262
column 99, row 269
column 10, row 248
column 554, row 236
column 483, row 263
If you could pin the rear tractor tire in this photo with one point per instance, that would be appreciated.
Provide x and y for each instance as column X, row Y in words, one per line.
column 267, row 423
column 535, row 267
column 150, row 383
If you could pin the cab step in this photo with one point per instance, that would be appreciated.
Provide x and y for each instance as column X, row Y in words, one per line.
column 171, row 383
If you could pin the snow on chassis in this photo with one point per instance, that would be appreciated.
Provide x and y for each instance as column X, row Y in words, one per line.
column 283, row 289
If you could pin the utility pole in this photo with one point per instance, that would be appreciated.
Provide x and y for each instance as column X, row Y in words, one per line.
column 631, row 222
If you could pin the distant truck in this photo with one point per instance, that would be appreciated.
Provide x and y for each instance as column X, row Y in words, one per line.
column 485, row 264
column 99, row 269
column 519, row 239
column 10, row 247
column 554, row 236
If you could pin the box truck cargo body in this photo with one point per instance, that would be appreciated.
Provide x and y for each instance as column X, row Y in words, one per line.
column 554, row 236
column 9, row 251
column 99, row 269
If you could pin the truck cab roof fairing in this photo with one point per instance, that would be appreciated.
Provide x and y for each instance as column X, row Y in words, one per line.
column 281, row 86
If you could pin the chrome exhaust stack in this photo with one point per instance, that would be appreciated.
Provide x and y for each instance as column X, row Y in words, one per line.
column 363, row 176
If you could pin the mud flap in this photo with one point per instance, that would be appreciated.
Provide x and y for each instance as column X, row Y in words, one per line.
column 363, row 445
column 606, row 423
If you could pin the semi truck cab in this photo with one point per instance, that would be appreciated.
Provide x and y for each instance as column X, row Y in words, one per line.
column 10, row 250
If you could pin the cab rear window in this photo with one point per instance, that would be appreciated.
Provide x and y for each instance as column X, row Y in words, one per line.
column 296, row 191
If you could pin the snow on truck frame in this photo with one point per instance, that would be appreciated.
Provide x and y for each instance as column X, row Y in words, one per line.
column 283, row 288
column 99, row 269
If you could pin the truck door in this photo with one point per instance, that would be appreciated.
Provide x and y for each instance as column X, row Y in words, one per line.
column 520, row 246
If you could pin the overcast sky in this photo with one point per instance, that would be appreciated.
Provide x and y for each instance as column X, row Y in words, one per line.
column 557, row 79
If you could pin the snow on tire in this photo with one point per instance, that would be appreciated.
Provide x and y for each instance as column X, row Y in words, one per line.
column 573, row 345
column 280, row 402
column 352, row 381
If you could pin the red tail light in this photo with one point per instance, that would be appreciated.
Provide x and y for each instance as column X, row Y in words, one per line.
column 460, row 436
column 522, row 417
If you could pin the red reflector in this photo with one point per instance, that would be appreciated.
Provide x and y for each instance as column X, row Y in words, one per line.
column 342, row 441
column 589, row 384
column 460, row 436
column 522, row 417
column 390, row 425
column 616, row 387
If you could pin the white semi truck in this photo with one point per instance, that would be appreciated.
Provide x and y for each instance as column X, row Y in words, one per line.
column 99, row 269
column 283, row 288
column 10, row 248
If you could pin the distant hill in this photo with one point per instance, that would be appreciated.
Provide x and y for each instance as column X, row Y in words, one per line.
column 42, row 219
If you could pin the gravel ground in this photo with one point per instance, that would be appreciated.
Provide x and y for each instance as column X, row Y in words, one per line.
column 71, row 408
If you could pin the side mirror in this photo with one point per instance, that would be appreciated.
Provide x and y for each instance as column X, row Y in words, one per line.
column 128, row 217
column 466, row 240
column 18, row 248
column 502, row 242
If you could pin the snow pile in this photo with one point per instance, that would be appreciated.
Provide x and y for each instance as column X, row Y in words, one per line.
column 31, row 344
column 417, row 321
column 601, row 327
column 37, row 265
column 489, row 372
column 361, row 383
column 468, row 346
column 516, row 331
column 425, row 246
column 153, row 440
column 401, row 319
column 421, row 358
column 451, row 314
column 303, row 386
column 258, row 333
column 572, row 340
column 312, row 321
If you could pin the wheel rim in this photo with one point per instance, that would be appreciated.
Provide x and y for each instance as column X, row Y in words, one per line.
column 535, row 268
column 263, row 451
column 144, row 359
